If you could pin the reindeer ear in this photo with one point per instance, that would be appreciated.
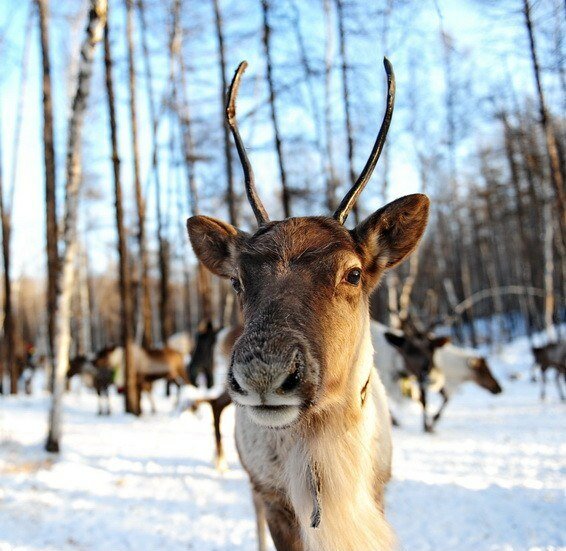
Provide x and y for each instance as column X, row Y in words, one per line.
column 438, row 342
column 214, row 243
column 395, row 340
column 390, row 234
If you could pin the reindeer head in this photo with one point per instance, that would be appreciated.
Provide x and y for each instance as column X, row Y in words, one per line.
column 303, row 285
column 482, row 375
column 417, row 351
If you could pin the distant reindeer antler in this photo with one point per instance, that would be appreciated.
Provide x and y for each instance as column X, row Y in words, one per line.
column 351, row 197
column 251, row 191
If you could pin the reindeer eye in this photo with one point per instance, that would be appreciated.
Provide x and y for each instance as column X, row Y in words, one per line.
column 236, row 284
column 354, row 276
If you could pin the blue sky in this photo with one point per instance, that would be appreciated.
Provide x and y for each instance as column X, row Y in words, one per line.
column 491, row 38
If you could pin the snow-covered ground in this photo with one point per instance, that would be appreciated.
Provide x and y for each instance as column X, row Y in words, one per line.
column 492, row 478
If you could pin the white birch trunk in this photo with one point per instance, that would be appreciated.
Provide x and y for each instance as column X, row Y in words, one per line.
column 94, row 33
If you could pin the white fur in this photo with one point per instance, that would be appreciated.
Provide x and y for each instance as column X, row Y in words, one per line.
column 349, row 458
column 281, row 417
column 181, row 342
column 454, row 363
column 451, row 364
column 388, row 361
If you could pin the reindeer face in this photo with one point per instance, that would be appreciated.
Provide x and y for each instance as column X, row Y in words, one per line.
column 482, row 375
column 417, row 351
column 303, row 284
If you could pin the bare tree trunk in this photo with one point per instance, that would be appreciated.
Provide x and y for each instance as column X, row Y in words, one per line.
column 94, row 31
column 310, row 84
column 144, row 292
column 6, row 218
column 50, row 182
column 520, row 210
column 85, row 329
column 346, row 99
column 230, row 195
column 551, row 146
column 8, row 359
column 285, row 192
column 132, row 394
column 176, row 50
column 548, row 273
column 164, row 298
column 331, row 177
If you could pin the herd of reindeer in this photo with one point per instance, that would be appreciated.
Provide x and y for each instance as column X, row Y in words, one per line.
column 312, row 424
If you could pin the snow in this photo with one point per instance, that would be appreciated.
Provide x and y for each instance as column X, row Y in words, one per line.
column 491, row 478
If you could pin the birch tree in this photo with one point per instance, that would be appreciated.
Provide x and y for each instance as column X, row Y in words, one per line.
column 50, row 182
column 132, row 394
column 94, row 31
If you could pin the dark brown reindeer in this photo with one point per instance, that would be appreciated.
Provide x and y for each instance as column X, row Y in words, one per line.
column 552, row 355
column 441, row 367
column 212, row 344
column 312, row 423
column 107, row 367
column 99, row 378
column 417, row 353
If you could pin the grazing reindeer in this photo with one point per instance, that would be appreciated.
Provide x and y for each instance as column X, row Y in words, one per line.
column 150, row 365
column 551, row 355
column 97, row 377
column 214, row 348
column 397, row 355
column 312, row 424
column 436, row 364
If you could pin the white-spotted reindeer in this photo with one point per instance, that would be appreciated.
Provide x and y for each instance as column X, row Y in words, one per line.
column 312, row 423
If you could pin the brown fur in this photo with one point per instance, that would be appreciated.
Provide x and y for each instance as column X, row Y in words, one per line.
column 552, row 355
column 306, row 341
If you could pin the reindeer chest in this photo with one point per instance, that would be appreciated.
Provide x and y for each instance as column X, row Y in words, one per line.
column 264, row 453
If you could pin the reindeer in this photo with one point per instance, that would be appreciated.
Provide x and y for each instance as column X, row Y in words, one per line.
column 150, row 365
column 312, row 424
column 97, row 377
column 551, row 355
column 212, row 354
column 436, row 364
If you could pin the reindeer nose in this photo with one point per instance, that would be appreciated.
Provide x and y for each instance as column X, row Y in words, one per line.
column 292, row 380
column 263, row 374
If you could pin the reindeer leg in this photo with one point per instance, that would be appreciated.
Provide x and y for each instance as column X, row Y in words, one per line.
column 543, row 383
column 445, row 399
column 179, row 382
column 426, row 426
column 559, row 385
column 260, row 521
column 283, row 526
column 151, row 400
column 394, row 421
column 218, row 405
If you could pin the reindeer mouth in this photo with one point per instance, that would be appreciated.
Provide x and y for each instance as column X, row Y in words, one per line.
column 273, row 416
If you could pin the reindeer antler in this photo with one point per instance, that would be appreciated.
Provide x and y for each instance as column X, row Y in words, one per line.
column 251, row 191
column 351, row 197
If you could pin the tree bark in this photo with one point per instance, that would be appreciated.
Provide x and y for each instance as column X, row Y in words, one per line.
column 132, row 394
column 50, row 181
column 163, row 244
column 8, row 358
column 230, row 195
column 556, row 177
column 285, row 192
column 6, row 217
column 331, row 177
column 346, row 99
column 94, row 31
column 144, row 301
column 176, row 50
